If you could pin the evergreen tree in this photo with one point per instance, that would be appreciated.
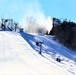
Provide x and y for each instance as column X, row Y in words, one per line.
column 66, row 33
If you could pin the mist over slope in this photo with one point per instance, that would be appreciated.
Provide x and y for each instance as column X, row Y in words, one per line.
column 28, row 13
column 32, row 26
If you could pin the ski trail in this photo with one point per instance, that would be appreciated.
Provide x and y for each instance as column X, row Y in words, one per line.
column 20, row 58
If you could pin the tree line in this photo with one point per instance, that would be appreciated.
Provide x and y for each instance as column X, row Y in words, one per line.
column 65, row 31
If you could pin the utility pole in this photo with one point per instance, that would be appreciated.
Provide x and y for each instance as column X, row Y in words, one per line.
column 15, row 26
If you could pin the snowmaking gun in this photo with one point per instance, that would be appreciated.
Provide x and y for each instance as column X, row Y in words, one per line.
column 39, row 43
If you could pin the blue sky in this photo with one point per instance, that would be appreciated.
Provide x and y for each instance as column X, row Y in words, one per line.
column 60, row 8
column 19, row 10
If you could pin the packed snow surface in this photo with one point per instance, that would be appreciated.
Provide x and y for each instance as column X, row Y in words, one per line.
column 19, row 54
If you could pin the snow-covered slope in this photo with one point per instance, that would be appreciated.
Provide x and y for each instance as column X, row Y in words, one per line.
column 20, row 55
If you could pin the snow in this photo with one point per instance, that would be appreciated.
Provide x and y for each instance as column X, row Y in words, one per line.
column 20, row 55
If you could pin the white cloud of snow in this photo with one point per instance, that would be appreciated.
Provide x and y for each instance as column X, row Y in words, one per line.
column 34, row 10
column 19, row 10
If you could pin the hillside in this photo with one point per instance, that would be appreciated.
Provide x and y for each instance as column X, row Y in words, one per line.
column 19, row 54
